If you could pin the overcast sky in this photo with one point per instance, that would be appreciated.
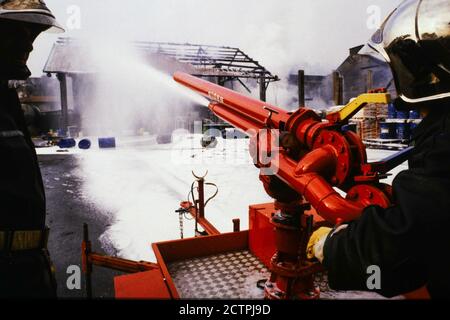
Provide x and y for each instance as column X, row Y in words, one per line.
column 281, row 34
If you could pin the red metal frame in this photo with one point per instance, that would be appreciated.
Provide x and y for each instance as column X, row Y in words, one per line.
column 179, row 250
column 197, row 209
column 144, row 285
column 261, row 232
column 259, row 239
column 200, row 218
column 89, row 259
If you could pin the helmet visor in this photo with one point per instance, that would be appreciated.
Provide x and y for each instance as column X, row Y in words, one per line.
column 415, row 42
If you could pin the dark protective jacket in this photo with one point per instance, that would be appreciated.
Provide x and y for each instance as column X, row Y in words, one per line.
column 22, row 200
column 410, row 241
column 22, row 204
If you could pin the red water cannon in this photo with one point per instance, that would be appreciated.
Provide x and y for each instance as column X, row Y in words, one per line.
column 314, row 155
column 314, row 158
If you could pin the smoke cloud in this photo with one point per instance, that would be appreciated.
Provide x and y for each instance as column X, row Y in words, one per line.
column 128, row 94
column 282, row 35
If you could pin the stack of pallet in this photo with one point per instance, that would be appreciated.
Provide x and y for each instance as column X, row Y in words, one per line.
column 382, row 111
column 368, row 120
column 367, row 129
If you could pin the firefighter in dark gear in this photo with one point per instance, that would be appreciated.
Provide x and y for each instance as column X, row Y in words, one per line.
column 25, row 268
column 409, row 241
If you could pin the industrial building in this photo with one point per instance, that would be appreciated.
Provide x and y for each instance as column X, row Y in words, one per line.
column 357, row 74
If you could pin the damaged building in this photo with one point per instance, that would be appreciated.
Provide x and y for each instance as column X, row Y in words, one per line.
column 357, row 74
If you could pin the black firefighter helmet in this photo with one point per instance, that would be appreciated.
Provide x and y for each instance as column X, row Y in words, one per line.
column 415, row 41
column 31, row 11
column 21, row 21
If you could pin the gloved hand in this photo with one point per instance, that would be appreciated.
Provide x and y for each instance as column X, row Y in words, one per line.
column 317, row 241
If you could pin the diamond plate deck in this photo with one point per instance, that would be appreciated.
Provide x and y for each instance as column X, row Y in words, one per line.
column 225, row 276
column 234, row 275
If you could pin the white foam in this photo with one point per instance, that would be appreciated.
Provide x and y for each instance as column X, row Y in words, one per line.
column 142, row 187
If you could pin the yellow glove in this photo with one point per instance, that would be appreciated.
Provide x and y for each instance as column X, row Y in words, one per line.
column 316, row 242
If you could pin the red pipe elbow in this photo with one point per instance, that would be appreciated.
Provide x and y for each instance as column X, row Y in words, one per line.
column 319, row 193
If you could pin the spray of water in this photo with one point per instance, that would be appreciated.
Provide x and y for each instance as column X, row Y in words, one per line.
column 129, row 93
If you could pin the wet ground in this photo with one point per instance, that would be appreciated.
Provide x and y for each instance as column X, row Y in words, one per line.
column 66, row 213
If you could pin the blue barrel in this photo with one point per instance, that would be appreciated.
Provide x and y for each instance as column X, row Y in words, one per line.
column 84, row 144
column 402, row 114
column 414, row 114
column 67, row 143
column 104, row 143
column 403, row 131
column 387, row 130
column 392, row 112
